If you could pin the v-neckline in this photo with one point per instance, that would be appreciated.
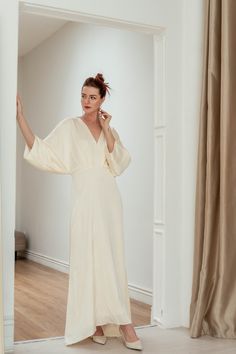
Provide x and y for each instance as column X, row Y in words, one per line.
column 96, row 141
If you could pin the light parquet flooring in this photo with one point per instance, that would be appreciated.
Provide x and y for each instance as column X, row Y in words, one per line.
column 40, row 302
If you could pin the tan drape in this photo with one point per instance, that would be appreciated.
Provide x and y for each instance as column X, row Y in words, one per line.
column 213, row 305
column 1, row 287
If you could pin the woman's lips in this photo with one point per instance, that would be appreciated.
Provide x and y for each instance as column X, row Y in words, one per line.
column 87, row 107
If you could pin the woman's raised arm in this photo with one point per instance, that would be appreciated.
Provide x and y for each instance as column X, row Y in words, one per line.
column 24, row 127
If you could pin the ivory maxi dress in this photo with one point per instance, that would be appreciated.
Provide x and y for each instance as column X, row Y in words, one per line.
column 98, row 286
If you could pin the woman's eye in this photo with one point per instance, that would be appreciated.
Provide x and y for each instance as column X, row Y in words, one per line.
column 92, row 98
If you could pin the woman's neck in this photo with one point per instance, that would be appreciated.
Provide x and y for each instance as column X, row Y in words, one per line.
column 90, row 118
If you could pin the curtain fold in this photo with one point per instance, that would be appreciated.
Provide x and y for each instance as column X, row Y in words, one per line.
column 213, row 303
column 1, row 286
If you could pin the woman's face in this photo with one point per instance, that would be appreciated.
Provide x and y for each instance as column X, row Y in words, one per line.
column 91, row 99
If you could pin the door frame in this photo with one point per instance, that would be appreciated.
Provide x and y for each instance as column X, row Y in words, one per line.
column 158, row 34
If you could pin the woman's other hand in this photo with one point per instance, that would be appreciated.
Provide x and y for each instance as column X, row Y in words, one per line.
column 106, row 120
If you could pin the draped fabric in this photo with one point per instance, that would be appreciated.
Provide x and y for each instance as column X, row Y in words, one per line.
column 213, row 304
column 98, row 285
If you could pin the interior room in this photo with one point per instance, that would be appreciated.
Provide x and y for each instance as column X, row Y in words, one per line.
column 55, row 57
column 170, row 65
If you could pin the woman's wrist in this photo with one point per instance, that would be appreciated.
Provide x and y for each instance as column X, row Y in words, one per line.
column 20, row 117
column 107, row 129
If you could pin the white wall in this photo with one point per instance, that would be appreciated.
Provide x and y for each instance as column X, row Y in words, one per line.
column 19, row 147
column 182, row 58
column 51, row 77
column 8, row 73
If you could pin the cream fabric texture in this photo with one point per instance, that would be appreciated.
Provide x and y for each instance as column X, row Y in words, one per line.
column 98, row 286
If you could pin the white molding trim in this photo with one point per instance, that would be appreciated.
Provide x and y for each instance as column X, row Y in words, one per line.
column 48, row 261
column 8, row 322
column 142, row 294
column 159, row 47
column 37, row 340
column 159, row 276
column 159, row 260
column 159, row 177
column 78, row 16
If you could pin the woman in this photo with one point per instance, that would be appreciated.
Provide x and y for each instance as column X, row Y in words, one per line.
column 91, row 151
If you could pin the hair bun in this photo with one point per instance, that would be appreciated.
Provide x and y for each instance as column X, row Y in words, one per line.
column 100, row 77
column 98, row 82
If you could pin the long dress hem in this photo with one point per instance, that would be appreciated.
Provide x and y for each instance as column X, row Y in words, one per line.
column 109, row 330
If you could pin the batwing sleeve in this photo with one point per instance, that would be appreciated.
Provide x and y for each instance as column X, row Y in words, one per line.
column 119, row 158
column 53, row 153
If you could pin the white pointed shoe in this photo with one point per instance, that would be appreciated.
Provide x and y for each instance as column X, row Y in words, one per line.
column 137, row 345
column 99, row 339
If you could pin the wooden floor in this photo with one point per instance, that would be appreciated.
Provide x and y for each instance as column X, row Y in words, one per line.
column 40, row 302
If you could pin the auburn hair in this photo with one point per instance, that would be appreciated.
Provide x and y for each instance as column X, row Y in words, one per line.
column 99, row 82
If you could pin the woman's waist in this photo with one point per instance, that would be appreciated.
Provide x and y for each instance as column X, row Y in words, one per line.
column 92, row 170
column 93, row 180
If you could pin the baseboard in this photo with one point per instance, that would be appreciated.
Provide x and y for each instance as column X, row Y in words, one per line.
column 135, row 292
column 37, row 340
column 140, row 293
column 50, row 262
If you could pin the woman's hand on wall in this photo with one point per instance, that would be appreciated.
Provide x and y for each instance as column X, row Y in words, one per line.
column 24, row 127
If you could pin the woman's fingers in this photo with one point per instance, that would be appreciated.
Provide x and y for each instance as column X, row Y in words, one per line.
column 105, row 114
column 105, row 118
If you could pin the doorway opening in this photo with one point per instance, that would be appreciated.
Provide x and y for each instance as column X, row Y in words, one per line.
column 158, row 129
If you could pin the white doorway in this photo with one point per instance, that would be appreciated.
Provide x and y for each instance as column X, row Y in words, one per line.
column 159, row 138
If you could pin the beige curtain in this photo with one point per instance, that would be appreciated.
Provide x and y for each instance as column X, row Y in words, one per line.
column 1, row 288
column 213, row 305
